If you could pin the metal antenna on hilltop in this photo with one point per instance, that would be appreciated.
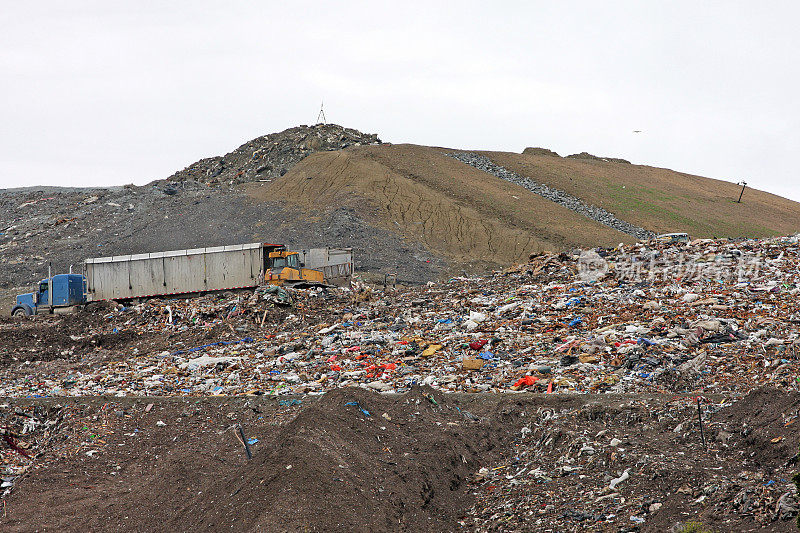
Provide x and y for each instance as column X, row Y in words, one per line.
column 321, row 117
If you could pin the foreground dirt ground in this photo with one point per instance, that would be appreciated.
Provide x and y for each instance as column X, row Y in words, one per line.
column 355, row 460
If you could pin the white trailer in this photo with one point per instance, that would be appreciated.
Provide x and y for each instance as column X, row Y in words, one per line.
column 197, row 270
column 336, row 264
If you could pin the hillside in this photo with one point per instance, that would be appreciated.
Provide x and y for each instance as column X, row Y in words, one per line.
column 660, row 199
column 420, row 212
column 474, row 218
column 464, row 214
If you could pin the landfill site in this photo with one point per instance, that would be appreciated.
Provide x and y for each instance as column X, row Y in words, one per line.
column 437, row 340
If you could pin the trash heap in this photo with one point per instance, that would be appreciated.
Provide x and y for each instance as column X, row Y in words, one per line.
column 711, row 316
column 660, row 463
column 26, row 433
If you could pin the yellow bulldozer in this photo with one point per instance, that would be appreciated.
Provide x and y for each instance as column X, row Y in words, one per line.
column 285, row 268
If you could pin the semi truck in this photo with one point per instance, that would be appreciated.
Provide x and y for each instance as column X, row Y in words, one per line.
column 128, row 278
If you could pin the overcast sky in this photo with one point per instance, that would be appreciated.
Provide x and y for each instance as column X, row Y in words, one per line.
column 105, row 93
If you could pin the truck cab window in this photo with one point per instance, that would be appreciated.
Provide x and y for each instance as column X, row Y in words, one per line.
column 43, row 286
column 279, row 262
column 292, row 261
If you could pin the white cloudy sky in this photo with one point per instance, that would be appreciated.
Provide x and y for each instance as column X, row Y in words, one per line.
column 105, row 92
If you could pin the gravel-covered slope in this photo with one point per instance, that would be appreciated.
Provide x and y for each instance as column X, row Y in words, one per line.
column 270, row 156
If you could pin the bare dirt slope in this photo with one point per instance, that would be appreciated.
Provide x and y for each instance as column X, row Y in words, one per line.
column 660, row 199
column 474, row 218
column 467, row 215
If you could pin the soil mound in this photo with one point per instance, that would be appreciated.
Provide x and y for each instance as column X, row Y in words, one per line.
column 763, row 422
column 539, row 151
column 587, row 155
column 462, row 213
column 404, row 209
column 354, row 461
column 659, row 199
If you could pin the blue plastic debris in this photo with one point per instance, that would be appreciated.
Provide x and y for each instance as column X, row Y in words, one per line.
column 288, row 403
column 366, row 413
column 575, row 322
column 252, row 441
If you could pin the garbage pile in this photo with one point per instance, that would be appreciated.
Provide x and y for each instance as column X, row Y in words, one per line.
column 271, row 156
column 711, row 316
column 25, row 433
column 655, row 463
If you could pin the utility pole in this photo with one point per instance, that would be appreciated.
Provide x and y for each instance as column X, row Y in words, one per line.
column 321, row 117
column 743, row 184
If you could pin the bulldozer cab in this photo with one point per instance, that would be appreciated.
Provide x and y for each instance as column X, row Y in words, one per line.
column 284, row 268
column 284, row 259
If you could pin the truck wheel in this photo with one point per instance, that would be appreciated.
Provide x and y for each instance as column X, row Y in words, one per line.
column 20, row 311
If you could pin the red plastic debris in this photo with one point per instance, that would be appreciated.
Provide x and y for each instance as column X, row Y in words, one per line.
column 526, row 381
column 477, row 345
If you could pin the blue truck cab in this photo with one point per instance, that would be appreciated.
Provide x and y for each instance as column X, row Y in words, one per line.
column 69, row 290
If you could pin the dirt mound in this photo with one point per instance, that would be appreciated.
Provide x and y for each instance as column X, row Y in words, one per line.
column 539, row 151
column 271, row 156
column 764, row 422
column 587, row 155
column 474, row 219
column 51, row 337
column 660, row 199
column 354, row 461
column 641, row 464
column 527, row 462
column 403, row 208
column 755, row 443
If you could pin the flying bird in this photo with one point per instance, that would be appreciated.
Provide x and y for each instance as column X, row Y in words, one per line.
column 637, row 131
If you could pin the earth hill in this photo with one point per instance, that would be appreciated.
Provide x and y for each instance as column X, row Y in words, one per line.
column 420, row 212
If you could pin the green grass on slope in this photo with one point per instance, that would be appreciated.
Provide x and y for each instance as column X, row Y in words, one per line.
column 660, row 199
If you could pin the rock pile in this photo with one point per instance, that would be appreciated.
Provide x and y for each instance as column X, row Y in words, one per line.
column 555, row 195
column 271, row 156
